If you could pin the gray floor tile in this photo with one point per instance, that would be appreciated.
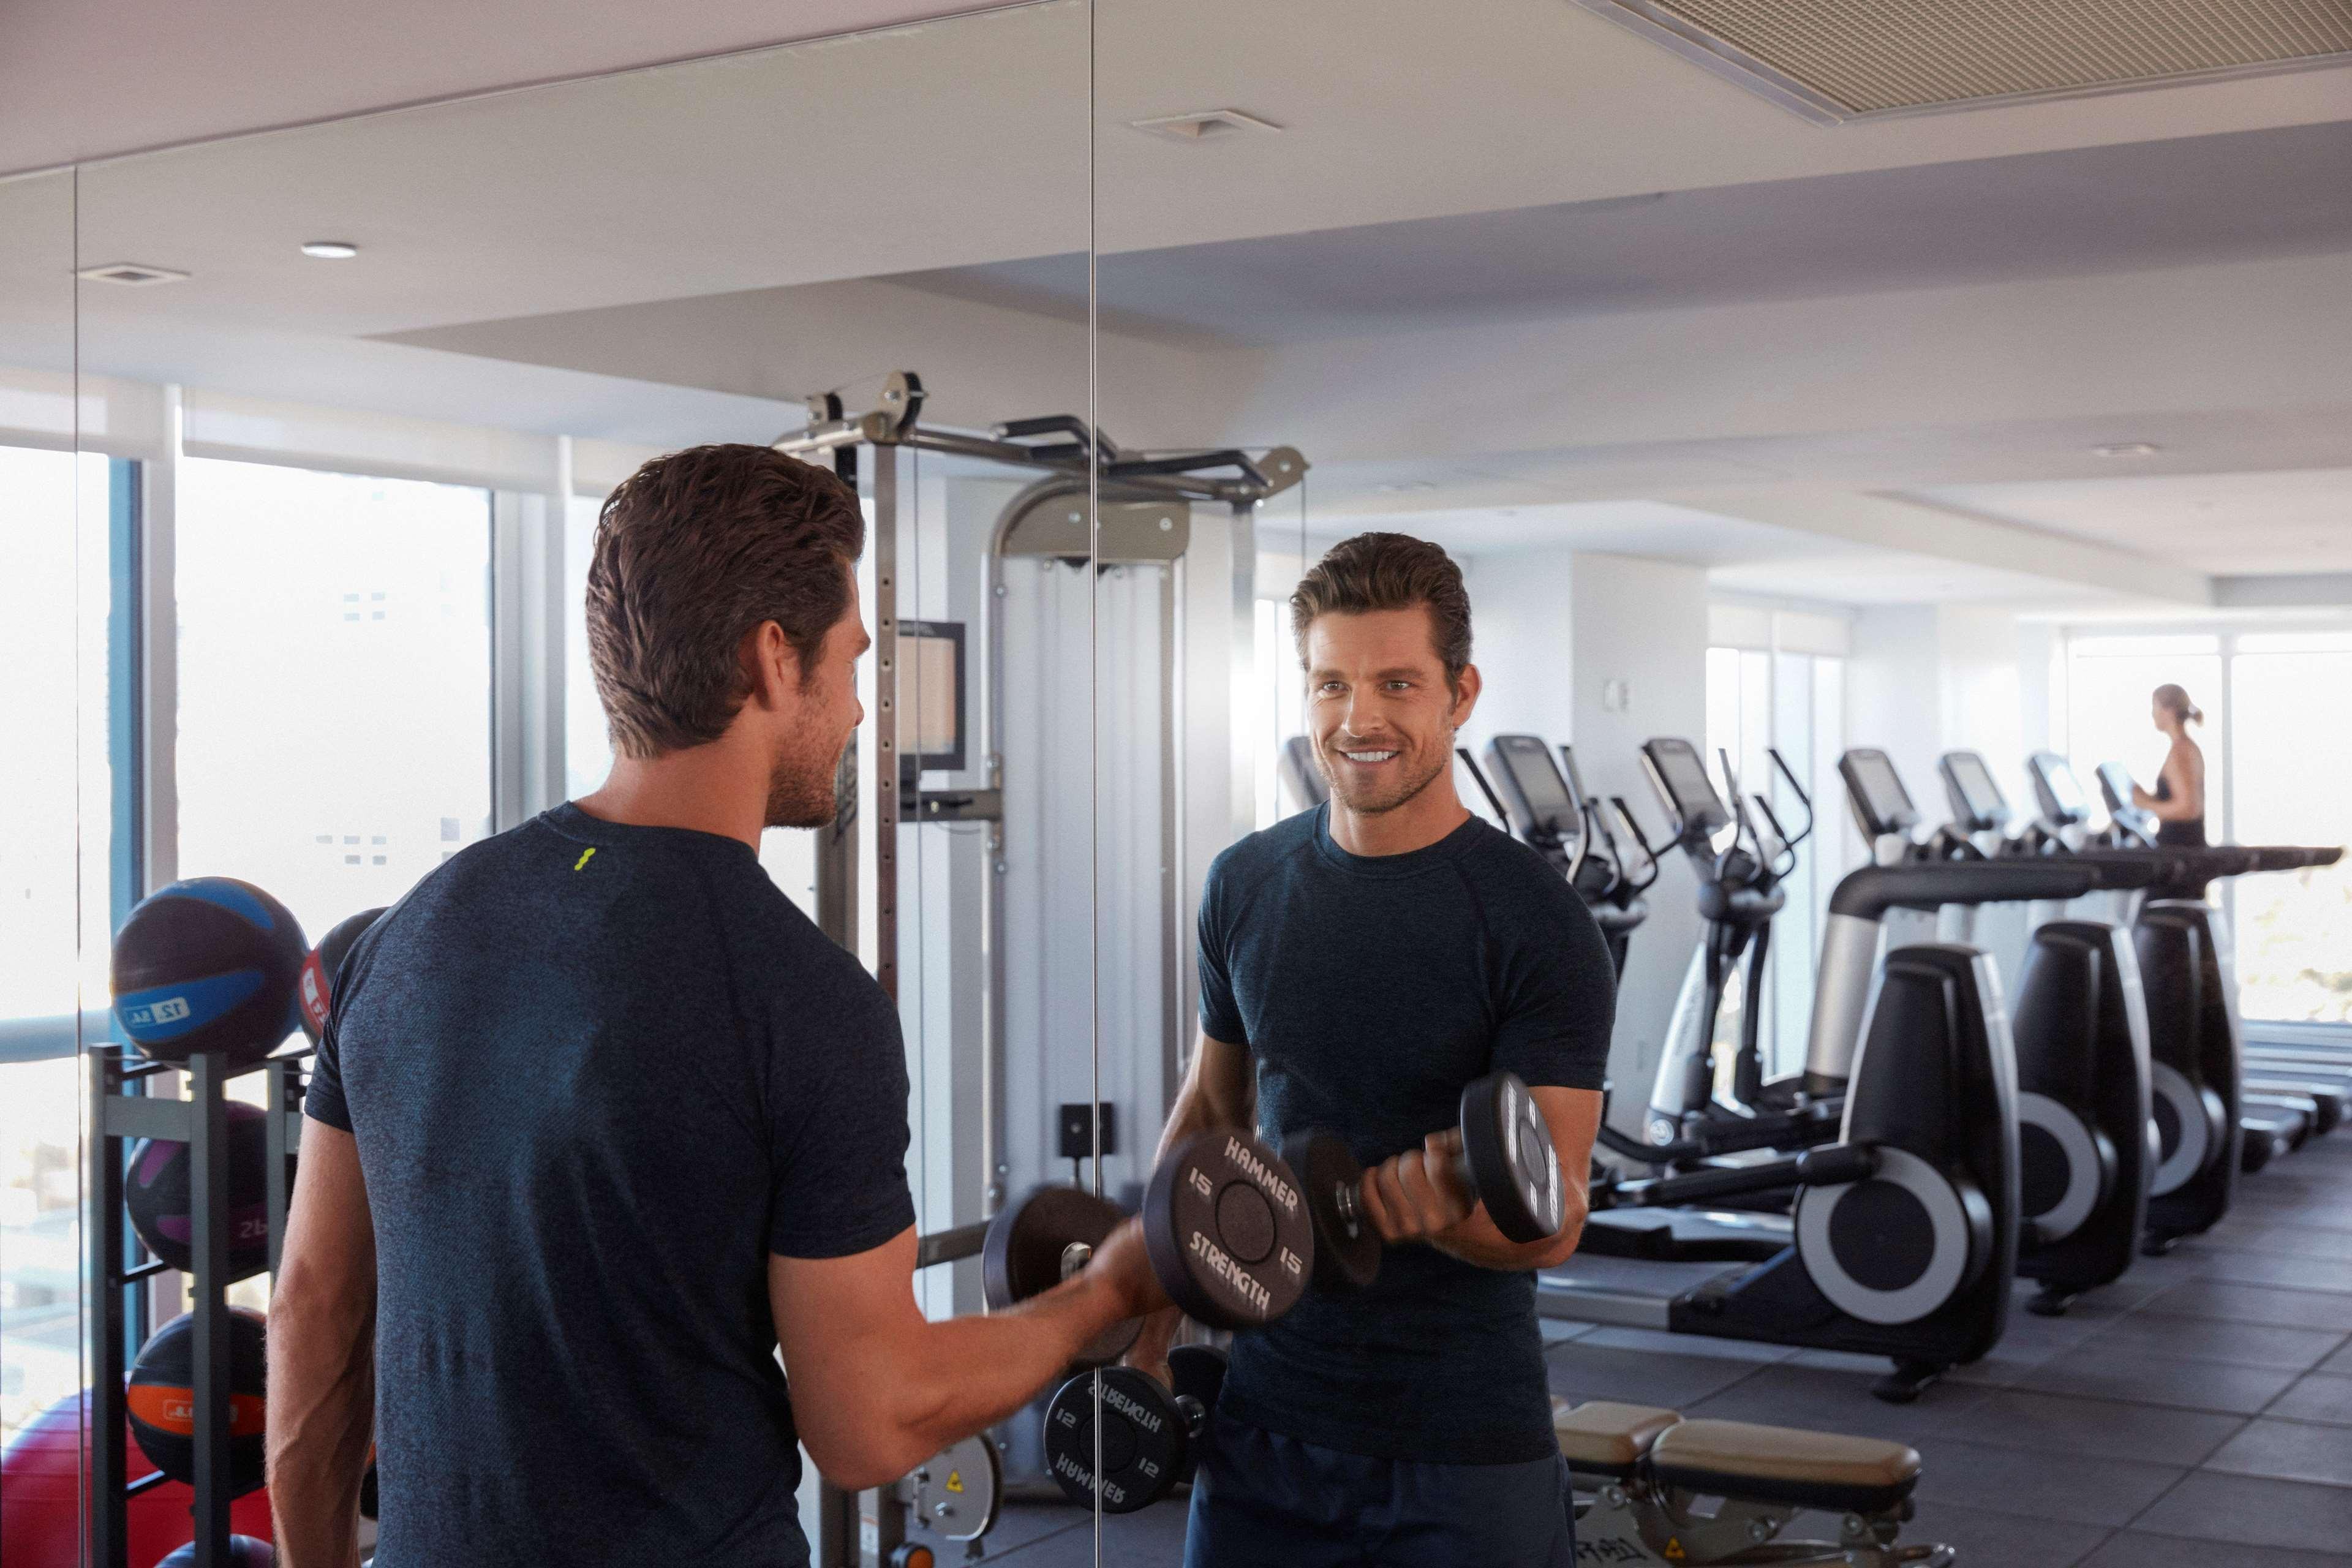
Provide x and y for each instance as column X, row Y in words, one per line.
column 1987, row 1539
column 1582, row 1371
column 1828, row 1401
column 2074, row 1487
column 2280, row 1237
column 2245, row 1511
column 1753, row 1351
column 2055, row 1424
column 2319, row 1397
column 1151, row 1538
column 1019, row 1523
column 2137, row 1376
column 2208, row 1339
column 2339, row 1364
column 2266, row 1304
column 1557, row 1330
column 2135, row 1549
column 2288, row 1451
column 2265, row 1269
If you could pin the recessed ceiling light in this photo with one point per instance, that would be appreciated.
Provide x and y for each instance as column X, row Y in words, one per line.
column 131, row 274
column 2127, row 450
column 330, row 249
column 1203, row 125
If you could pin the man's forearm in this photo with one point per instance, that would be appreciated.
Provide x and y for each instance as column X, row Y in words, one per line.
column 1476, row 1240
column 321, row 1409
column 973, row 1371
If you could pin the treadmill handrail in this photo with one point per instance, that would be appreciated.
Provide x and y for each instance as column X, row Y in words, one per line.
column 1868, row 893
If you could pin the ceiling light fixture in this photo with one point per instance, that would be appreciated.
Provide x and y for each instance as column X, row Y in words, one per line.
column 330, row 249
column 131, row 274
column 1201, row 125
column 2127, row 450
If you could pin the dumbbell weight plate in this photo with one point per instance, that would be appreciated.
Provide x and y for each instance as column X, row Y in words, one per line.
column 1022, row 1255
column 1514, row 1167
column 1228, row 1230
column 1144, row 1442
column 1346, row 1258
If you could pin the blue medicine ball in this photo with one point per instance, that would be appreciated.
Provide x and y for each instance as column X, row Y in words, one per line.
column 208, row 964
column 244, row 1552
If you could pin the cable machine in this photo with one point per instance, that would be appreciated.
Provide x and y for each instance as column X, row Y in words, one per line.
column 1145, row 524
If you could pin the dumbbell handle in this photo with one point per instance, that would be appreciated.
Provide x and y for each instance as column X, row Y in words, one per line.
column 1349, row 1197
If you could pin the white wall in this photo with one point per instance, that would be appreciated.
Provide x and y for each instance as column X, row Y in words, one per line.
column 1520, row 642
column 1641, row 624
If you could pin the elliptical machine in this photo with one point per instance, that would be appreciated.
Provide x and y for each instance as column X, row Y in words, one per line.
column 2079, row 1027
column 1738, row 894
column 1904, row 1239
column 1548, row 808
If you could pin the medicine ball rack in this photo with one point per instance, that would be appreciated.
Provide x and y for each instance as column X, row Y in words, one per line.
column 121, row 1112
column 1130, row 519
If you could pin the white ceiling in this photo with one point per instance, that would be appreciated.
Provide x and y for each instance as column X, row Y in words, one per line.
column 2259, row 523
column 1508, row 260
column 79, row 82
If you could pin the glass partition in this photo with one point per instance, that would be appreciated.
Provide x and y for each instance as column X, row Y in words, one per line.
column 373, row 380
column 56, row 786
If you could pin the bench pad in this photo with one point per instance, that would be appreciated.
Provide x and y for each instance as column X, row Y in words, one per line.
column 1603, row 1438
column 1785, row 1465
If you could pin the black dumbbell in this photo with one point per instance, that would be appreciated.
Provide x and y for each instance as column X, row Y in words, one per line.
column 1223, row 1220
column 1149, row 1433
column 1503, row 1153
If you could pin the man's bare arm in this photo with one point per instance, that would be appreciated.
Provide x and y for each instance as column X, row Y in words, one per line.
column 323, row 1356
column 877, row 1388
column 1416, row 1195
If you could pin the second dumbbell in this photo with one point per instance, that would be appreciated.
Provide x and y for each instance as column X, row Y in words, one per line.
column 1148, row 1435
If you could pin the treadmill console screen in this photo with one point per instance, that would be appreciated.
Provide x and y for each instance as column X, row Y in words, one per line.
column 2063, row 801
column 2115, row 786
column 1880, row 801
column 1681, row 774
column 1532, row 785
column 1976, row 799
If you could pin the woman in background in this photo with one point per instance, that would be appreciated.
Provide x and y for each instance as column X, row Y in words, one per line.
column 2177, row 802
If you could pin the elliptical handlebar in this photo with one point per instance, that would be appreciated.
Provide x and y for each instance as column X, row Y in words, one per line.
column 1633, row 825
column 1789, row 776
column 1868, row 893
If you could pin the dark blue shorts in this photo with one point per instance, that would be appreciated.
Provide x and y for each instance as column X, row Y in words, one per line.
column 1262, row 1499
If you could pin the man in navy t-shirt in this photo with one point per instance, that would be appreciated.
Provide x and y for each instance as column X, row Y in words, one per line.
column 1360, row 963
column 600, row 1120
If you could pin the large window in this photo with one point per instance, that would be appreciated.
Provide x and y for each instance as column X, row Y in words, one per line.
column 335, row 720
column 1789, row 698
column 58, row 526
column 2277, row 739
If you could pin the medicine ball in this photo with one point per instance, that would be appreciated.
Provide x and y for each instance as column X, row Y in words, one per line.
column 161, row 1399
column 244, row 1552
column 318, row 992
column 155, row 1191
column 209, row 964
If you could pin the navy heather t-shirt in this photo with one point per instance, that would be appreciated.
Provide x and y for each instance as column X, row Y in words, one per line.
column 597, row 1074
column 1368, row 992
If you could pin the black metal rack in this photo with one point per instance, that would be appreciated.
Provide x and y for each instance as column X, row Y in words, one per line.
column 201, row 1121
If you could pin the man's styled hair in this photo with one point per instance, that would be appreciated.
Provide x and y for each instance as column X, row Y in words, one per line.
column 1388, row 571
column 693, row 551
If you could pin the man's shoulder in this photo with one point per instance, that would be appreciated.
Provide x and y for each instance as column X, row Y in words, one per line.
column 1505, row 870
column 1257, row 855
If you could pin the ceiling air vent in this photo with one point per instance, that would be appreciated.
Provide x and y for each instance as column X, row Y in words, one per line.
column 131, row 274
column 1835, row 60
column 1207, row 125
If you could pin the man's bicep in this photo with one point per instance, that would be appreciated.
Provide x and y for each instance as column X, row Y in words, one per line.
column 328, row 1228
column 1222, row 1077
column 1561, row 1013
column 839, row 1322
column 1574, row 1117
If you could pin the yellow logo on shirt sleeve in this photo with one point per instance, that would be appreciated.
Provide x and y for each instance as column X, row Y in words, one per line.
column 585, row 856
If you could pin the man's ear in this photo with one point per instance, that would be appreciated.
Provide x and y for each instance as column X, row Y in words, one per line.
column 1466, row 694
column 771, row 666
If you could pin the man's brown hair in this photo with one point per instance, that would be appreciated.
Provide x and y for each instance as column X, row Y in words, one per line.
column 1388, row 571
column 693, row 551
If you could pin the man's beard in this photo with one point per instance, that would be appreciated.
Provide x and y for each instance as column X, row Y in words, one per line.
column 801, row 793
column 1373, row 803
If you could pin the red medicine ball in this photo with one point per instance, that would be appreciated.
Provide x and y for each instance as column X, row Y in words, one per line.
column 319, row 970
